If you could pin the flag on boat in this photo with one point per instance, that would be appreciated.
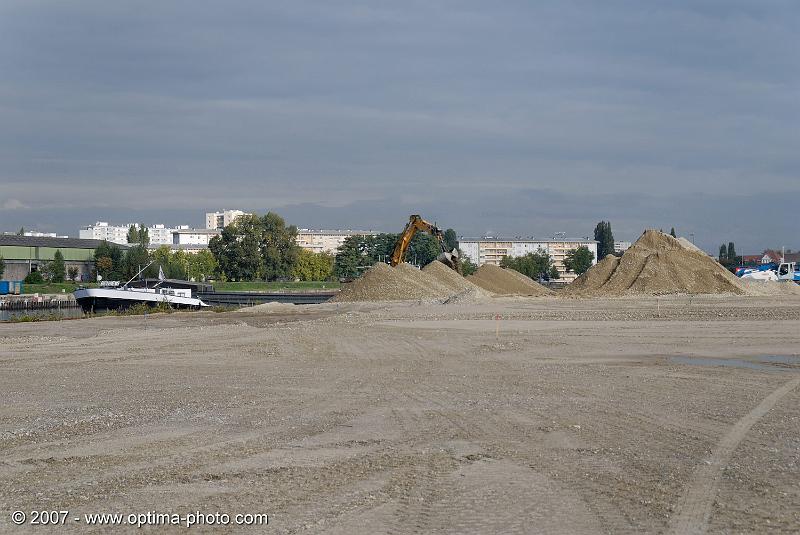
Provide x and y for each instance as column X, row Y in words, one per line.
column 160, row 274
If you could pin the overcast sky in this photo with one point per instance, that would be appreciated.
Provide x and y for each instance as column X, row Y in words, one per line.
column 515, row 117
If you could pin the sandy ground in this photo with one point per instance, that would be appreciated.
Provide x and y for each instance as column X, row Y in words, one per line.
column 561, row 416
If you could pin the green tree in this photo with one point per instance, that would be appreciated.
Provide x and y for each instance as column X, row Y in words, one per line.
column 34, row 277
column 2, row 266
column 57, row 268
column 72, row 273
column 201, row 266
column 423, row 249
column 278, row 247
column 21, row 231
column 731, row 251
column 108, row 259
column 604, row 238
column 672, row 233
column 451, row 239
column 533, row 265
column 723, row 252
column 135, row 259
column 468, row 267
column 312, row 266
column 579, row 260
column 554, row 274
column 237, row 249
column 355, row 253
column 140, row 235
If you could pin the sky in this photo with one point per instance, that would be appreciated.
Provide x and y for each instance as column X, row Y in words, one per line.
column 508, row 118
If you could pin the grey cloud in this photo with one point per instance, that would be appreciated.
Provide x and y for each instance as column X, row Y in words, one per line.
column 384, row 108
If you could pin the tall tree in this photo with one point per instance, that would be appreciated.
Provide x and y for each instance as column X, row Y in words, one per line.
column 2, row 266
column 201, row 266
column 351, row 256
column 312, row 266
column 237, row 249
column 136, row 258
column 108, row 259
column 72, row 273
column 579, row 260
column 534, row 265
column 21, row 231
column 138, row 235
column 604, row 238
column 672, row 233
column 731, row 251
column 451, row 239
column 278, row 247
column 723, row 252
column 58, row 270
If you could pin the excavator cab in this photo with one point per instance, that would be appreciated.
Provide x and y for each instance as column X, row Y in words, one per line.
column 415, row 224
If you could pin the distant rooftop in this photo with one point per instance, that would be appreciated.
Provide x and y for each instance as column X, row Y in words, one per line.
column 57, row 243
column 528, row 239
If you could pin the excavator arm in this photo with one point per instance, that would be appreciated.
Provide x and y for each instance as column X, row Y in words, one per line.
column 414, row 225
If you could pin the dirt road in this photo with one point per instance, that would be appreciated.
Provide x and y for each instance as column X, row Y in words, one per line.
column 535, row 415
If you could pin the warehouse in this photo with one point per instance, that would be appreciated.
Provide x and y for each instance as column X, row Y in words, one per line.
column 24, row 254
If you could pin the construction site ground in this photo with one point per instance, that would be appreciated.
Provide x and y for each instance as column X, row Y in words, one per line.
column 515, row 415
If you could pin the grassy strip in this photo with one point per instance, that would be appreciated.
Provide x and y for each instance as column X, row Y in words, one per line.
column 54, row 288
column 260, row 286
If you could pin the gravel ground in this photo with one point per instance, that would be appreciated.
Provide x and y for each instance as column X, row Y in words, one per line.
column 514, row 415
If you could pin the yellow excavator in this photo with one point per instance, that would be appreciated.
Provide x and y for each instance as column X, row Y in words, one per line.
column 415, row 224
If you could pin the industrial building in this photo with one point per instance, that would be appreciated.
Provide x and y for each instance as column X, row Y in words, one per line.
column 326, row 241
column 492, row 250
column 24, row 254
column 220, row 220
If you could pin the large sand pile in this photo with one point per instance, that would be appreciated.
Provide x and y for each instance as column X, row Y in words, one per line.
column 405, row 282
column 657, row 264
column 502, row 281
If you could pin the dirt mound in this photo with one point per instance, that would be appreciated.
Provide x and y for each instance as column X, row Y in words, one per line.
column 770, row 288
column 595, row 277
column 447, row 277
column 689, row 245
column 404, row 282
column 506, row 282
column 657, row 264
column 471, row 295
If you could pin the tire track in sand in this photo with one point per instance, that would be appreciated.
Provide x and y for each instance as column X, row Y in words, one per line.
column 694, row 509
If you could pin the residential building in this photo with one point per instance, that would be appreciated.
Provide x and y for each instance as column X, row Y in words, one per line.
column 491, row 250
column 35, row 234
column 193, row 236
column 621, row 246
column 101, row 230
column 220, row 220
column 326, row 241
column 773, row 255
column 24, row 254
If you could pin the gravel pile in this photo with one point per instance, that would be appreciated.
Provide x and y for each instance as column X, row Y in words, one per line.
column 502, row 281
column 405, row 282
column 776, row 288
column 657, row 264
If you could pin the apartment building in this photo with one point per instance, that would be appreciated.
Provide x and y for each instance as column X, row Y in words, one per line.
column 220, row 220
column 326, row 241
column 491, row 250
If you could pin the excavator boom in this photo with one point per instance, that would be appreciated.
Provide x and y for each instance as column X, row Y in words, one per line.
column 414, row 225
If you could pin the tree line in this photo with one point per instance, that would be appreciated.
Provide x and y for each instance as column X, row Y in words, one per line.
column 360, row 252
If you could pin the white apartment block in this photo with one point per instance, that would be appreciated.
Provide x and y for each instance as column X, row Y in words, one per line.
column 491, row 250
column 326, row 241
column 192, row 236
column 101, row 230
column 621, row 246
column 220, row 220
